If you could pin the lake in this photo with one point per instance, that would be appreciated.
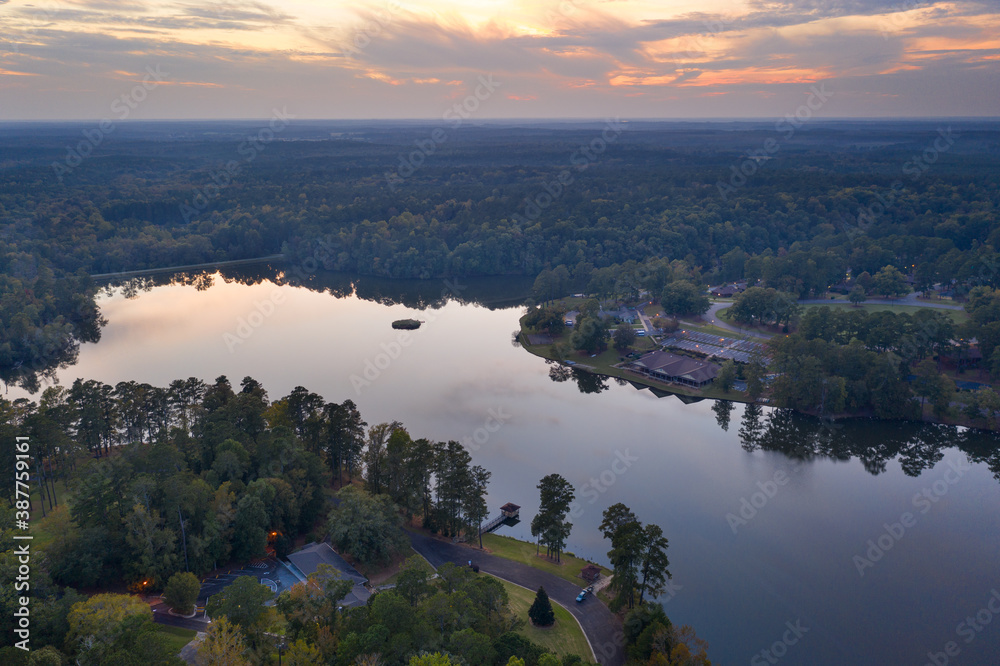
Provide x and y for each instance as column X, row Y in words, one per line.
column 860, row 542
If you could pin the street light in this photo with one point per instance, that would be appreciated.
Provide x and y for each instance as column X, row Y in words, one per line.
column 282, row 646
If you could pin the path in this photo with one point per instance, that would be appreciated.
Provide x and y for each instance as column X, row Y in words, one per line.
column 602, row 628
column 645, row 321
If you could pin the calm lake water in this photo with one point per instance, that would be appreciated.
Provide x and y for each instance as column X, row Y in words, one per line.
column 793, row 560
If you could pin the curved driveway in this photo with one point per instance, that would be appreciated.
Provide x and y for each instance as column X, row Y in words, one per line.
column 601, row 627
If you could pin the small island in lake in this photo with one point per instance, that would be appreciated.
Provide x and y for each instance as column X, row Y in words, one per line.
column 408, row 324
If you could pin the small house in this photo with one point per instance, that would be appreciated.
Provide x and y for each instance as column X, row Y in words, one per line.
column 510, row 510
column 590, row 573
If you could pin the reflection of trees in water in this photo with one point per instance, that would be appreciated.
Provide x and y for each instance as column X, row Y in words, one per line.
column 917, row 446
column 723, row 411
column 587, row 382
column 751, row 427
column 557, row 371
column 493, row 292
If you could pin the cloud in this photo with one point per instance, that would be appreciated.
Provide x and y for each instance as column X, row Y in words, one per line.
column 603, row 58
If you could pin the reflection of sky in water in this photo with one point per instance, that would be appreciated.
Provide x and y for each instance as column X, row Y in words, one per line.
column 792, row 561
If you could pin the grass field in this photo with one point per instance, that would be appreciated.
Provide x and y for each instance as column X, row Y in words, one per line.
column 177, row 637
column 564, row 637
column 957, row 316
column 524, row 552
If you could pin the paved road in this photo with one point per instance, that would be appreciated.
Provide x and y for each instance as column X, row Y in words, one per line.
column 162, row 616
column 712, row 317
column 602, row 628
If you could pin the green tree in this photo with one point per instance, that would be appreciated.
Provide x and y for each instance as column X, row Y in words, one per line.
column 754, row 373
column 541, row 612
column 472, row 646
column 413, row 580
column 727, row 375
column 376, row 456
column 990, row 401
column 890, row 282
column 857, row 295
column 250, row 529
column 624, row 337
column 474, row 505
column 366, row 526
column 590, row 334
column 933, row 385
column 242, row 603
column 550, row 525
column 682, row 298
column 181, row 592
column 549, row 319
column 654, row 562
column 435, row 659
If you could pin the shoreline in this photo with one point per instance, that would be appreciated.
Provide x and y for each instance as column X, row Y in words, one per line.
column 682, row 393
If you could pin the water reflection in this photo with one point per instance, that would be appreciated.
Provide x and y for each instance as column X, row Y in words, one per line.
column 490, row 292
column 917, row 446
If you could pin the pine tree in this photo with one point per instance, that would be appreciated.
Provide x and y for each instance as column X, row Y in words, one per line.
column 541, row 612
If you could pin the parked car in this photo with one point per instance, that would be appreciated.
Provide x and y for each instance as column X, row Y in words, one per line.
column 583, row 593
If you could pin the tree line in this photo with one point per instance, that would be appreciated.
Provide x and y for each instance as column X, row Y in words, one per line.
column 324, row 204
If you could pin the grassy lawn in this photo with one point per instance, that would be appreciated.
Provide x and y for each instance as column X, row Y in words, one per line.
column 564, row 637
column 176, row 636
column 713, row 330
column 957, row 316
column 524, row 552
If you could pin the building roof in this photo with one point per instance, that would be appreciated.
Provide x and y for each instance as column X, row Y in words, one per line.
column 590, row 572
column 673, row 365
column 510, row 506
column 728, row 290
column 308, row 558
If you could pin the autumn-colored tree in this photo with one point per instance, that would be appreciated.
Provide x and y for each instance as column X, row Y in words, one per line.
column 223, row 645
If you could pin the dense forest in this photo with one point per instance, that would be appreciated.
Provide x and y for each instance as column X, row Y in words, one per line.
column 837, row 197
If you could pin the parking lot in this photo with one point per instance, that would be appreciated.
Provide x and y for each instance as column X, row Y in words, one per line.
column 268, row 572
column 712, row 345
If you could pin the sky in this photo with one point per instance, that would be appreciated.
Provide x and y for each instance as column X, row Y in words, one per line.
column 496, row 59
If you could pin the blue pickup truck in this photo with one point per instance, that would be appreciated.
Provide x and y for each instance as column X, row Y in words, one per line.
column 583, row 594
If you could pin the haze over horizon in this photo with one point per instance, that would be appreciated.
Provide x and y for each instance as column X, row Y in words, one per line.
column 568, row 59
